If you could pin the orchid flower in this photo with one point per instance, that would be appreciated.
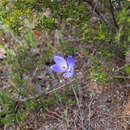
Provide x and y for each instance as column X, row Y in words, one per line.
column 64, row 66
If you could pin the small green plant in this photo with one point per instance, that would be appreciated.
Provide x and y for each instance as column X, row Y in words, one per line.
column 45, row 23
column 7, row 113
column 99, row 71
column 12, row 14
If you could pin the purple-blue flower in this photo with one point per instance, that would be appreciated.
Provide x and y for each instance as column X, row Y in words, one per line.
column 64, row 66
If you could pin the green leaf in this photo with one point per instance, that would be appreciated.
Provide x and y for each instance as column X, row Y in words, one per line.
column 127, row 69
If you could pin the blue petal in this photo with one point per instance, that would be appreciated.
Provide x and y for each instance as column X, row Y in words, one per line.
column 60, row 61
column 69, row 73
column 57, row 68
column 70, row 61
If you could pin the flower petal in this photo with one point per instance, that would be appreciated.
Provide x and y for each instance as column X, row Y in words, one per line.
column 60, row 61
column 70, row 61
column 69, row 73
column 57, row 68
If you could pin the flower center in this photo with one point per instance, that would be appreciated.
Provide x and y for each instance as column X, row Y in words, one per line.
column 64, row 67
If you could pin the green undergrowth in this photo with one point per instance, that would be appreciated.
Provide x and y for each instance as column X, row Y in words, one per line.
column 17, row 112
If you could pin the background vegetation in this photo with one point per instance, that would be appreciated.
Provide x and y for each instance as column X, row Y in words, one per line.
column 94, row 32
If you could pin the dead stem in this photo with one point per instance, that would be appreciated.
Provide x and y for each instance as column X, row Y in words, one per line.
column 113, row 16
column 41, row 94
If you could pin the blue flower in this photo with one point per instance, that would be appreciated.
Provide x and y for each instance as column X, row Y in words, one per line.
column 64, row 66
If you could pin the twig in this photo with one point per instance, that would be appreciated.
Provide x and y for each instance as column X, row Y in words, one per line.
column 113, row 16
column 119, row 32
column 118, row 69
column 121, row 77
column 79, row 100
column 113, row 116
column 89, row 116
column 55, row 114
column 41, row 94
